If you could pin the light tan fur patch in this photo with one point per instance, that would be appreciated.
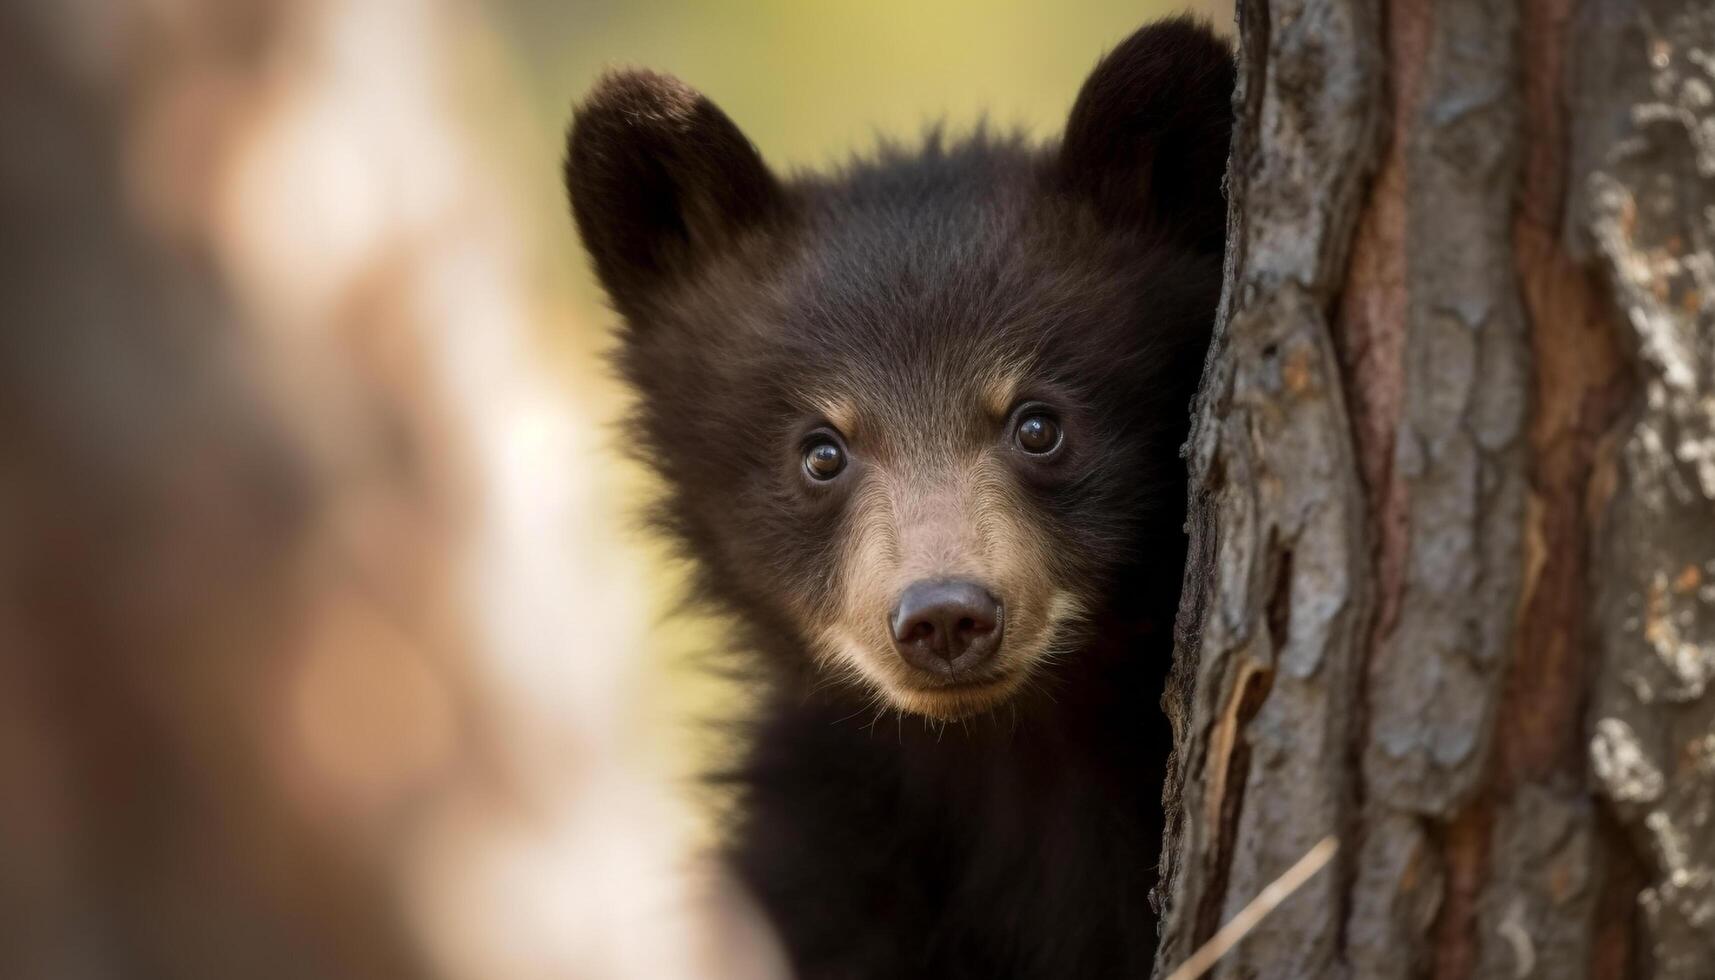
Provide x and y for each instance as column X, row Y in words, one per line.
column 839, row 413
column 1001, row 390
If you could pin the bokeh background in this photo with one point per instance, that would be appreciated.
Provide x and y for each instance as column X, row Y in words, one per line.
column 329, row 644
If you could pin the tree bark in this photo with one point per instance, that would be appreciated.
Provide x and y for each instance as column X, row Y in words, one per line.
column 1453, row 499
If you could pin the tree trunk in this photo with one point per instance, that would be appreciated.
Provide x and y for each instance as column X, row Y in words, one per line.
column 1452, row 590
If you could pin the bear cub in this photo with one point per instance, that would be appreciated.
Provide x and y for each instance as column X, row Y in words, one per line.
column 919, row 423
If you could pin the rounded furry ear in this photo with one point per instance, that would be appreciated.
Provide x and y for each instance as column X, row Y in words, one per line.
column 658, row 176
column 1147, row 138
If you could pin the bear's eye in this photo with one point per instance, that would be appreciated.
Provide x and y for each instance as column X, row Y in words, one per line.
column 823, row 458
column 1037, row 433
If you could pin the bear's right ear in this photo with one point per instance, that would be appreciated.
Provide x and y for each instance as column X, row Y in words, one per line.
column 1147, row 138
column 658, row 176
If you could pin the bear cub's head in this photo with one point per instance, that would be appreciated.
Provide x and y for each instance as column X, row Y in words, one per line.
column 918, row 419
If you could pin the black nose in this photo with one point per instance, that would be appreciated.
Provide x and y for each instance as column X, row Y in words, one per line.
column 946, row 626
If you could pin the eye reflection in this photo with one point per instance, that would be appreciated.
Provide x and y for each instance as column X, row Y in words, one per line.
column 1037, row 433
column 824, row 459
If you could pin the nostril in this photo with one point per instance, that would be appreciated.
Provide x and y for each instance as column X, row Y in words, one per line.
column 972, row 629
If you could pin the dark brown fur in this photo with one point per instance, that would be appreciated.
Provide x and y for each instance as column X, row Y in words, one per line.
column 909, row 302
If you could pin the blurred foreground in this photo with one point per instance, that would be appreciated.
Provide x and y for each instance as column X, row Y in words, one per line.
column 323, row 650
column 307, row 647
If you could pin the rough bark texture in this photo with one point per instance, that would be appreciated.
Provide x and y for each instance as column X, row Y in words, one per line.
column 1278, row 599
column 1449, row 592
column 1649, row 194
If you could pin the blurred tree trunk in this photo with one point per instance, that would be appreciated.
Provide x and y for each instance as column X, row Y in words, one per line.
column 295, row 559
column 178, row 558
column 1452, row 593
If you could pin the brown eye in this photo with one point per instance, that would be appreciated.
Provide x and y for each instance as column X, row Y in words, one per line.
column 1037, row 434
column 824, row 459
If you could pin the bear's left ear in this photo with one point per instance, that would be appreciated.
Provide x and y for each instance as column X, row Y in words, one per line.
column 1147, row 138
column 659, row 179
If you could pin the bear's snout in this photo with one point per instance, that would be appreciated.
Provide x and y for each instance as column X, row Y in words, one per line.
column 947, row 627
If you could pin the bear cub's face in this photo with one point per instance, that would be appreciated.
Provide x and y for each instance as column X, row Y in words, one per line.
column 918, row 417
